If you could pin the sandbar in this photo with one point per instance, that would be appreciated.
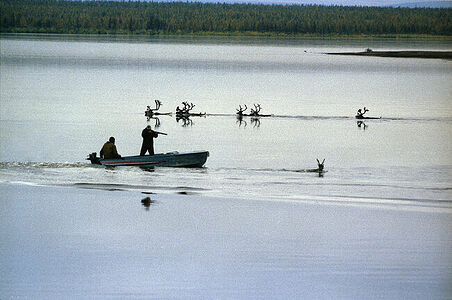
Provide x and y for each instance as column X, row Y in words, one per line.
column 406, row 54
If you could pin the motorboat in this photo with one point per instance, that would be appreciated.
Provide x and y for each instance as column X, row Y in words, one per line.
column 194, row 159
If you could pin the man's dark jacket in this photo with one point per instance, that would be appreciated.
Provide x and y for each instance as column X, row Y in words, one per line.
column 109, row 151
column 148, row 141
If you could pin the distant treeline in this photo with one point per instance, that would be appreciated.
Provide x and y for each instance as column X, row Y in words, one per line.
column 133, row 17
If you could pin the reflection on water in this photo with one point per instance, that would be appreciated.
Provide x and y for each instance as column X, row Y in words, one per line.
column 361, row 124
column 185, row 121
column 240, row 121
column 147, row 169
column 157, row 121
column 256, row 122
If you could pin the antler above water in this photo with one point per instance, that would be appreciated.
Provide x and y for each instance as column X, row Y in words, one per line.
column 158, row 103
column 240, row 110
column 256, row 110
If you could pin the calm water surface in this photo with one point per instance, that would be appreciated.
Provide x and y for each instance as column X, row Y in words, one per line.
column 62, row 97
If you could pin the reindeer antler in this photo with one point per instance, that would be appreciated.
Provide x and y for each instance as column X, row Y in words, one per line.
column 240, row 109
column 257, row 108
column 157, row 104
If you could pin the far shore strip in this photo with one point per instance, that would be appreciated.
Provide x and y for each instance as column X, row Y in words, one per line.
column 411, row 54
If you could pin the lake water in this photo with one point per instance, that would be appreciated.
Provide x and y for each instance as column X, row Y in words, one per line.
column 62, row 97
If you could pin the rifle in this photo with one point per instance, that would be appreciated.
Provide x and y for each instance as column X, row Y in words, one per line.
column 162, row 133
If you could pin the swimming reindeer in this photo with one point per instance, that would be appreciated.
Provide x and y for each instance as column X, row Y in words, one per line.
column 240, row 110
column 151, row 111
column 361, row 113
column 256, row 111
column 185, row 111
column 320, row 167
column 154, row 111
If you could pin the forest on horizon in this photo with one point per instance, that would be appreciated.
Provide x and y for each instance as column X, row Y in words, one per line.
column 132, row 17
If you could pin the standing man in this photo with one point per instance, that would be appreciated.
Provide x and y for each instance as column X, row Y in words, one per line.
column 109, row 150
column 148, row 141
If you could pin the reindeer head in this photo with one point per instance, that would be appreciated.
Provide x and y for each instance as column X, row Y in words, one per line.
column 320, row 165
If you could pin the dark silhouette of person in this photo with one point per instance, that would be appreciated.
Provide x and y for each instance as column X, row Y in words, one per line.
column 148, row 141
column 109, row 150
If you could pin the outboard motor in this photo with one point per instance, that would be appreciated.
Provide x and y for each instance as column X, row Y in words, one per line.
column 93, row 158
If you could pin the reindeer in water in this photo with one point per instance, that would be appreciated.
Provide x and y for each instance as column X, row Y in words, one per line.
column 320, row 167
column 151, row 111
column 256, row 110
column 241, row 110
column 240, row 115
column 186, row 110
column 154, row 111
column 360, row 113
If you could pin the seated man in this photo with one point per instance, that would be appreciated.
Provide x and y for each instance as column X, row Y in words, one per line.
column 109, row 150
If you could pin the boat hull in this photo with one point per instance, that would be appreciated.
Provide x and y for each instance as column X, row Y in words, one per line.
column 172, row 159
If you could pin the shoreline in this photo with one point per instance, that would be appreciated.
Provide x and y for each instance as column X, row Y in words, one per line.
column 400, row 54
column 247, row 34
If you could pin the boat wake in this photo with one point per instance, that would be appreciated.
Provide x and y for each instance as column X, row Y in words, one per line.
column 419, row 205
column 326, row 118
column 54, row 165
column 411, row 188
column 145, row 189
